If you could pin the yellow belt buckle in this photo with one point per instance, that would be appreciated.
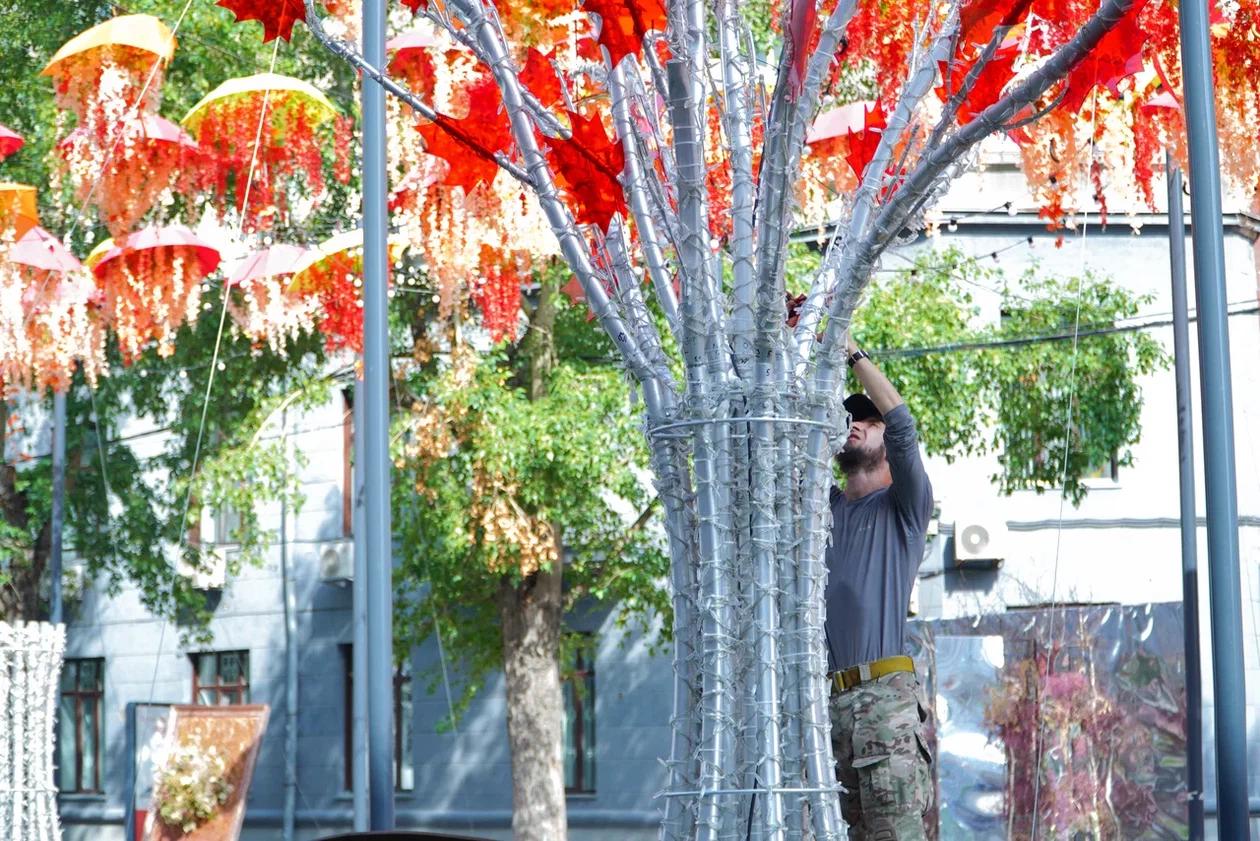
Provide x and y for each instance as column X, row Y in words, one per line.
column 864, row 673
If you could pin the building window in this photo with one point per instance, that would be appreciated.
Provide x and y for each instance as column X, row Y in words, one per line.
column 220, row 677
column 79, row 726
column 579, row 719
column 404, row 738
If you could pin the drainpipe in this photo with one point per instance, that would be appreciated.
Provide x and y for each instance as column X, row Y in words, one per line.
column 290, row 653
column 358, row 651
column 58, row 505
column 1189, row 530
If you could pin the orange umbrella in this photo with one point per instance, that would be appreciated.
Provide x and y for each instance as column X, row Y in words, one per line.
column 18, row 212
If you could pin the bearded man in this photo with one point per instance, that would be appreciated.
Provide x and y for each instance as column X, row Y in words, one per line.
column 879, row 521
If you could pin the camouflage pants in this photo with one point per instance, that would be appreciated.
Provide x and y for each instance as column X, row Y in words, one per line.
column 882, row 758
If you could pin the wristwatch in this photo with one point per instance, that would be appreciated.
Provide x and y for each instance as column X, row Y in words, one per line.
column 856, row 355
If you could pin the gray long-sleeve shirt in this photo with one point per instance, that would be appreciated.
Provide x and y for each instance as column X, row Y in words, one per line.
column 874, row 555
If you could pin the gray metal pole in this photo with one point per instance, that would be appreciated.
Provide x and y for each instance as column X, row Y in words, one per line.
column 359, row 657
column 57, row 517
column 1218, row 424
column 290, row 657
column 380, row 672
column 1189, row 529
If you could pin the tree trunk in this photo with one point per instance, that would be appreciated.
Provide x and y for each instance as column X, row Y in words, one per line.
column 529, row 616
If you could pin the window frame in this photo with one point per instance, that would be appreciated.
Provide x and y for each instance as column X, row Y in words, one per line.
column 80, row 696
column 240, row 686
column 576, row 703
column 403, row 713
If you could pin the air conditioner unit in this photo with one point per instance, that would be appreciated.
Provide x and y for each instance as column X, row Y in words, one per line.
column 979, row 542
column 212, row 574
column 336, row 561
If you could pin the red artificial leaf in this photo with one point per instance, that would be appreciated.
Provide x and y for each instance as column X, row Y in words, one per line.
column 469, row 145
column 416, row 6
column 978, row 18
column 587, row 167
column 574, row 290
column 801, row 27
column 276, row 16
column 987, row 90
column 1118, row 55
column 624, row 24
column 862, row 144
column 540, row 77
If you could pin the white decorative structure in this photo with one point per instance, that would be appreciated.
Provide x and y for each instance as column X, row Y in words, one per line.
column 30, row 674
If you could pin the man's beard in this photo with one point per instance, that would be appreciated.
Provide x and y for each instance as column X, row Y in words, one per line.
column 860, row 459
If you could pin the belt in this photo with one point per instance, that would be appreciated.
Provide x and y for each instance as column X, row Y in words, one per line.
column 845, row 679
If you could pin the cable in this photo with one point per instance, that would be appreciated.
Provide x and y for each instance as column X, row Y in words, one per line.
column 1067, row 447
column 218, row 343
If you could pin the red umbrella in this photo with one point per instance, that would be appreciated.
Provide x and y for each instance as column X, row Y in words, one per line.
column 10, row 142
column 275, row 261
column 41, row 250
column 172, row 236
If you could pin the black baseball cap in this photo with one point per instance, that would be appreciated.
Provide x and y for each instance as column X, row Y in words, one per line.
column 862, row 408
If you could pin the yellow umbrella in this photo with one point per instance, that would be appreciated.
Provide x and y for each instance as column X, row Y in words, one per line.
column 102, row 248
column 17, row 208
column 255, row 86
column 348, row 242
column 143, row 32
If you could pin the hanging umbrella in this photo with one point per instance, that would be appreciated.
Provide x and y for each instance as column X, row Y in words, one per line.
column 277, row 261
column 136, row 46
column 847, row 119
column 414, row 40
column 41, row 250
column 10, row 142
column 151, row 284
column 294, row 125
column 143, row 33
column 143, row 155
column 175, row 238
column 18, row 211
column 57, row 326
column 283, row 92
column 332, row 275
column 346, row 246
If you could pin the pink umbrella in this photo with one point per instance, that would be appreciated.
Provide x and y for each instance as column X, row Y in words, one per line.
column 278, row 260
column 41, row 250
column 414, row 40
column 160, row 128
column 847, row 119
column 10, row 142
column 172, row 236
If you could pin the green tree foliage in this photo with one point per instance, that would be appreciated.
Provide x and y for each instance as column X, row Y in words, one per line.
column 485, row 471
column 1004, row 388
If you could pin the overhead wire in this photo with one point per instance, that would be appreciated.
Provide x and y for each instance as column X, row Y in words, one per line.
column 214, row 360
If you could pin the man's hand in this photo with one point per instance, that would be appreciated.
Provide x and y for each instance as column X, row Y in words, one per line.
column 882, row 392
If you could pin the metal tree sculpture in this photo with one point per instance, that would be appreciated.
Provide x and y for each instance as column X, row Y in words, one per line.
column 742, row 445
